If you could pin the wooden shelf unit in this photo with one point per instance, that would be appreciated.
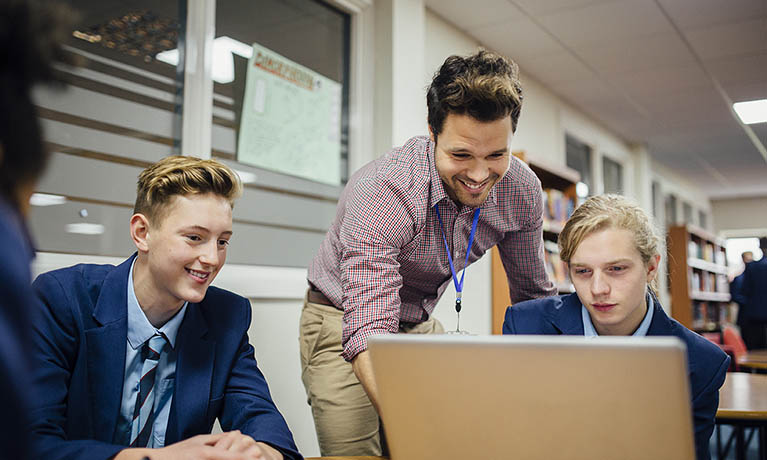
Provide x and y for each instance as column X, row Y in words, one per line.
column 697, row 270
column 561, row 180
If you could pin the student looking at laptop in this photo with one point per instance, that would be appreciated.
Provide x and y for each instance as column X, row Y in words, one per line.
column 138, row 360
column 612, row 252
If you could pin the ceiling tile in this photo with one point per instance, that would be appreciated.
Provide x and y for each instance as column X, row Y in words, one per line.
column 746, row 91
column 520, row 39
column 636, row 53
column 552, row 69
column 603, row 22
column 740, row 69
column 663, row 81
column 468, row 15
column 732, row 39
column 538, row 7
column 697, row 13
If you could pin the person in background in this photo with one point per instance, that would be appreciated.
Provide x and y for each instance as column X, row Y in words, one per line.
column 30, row 37
column 736, row 288
column 406, row 224
column 753, row 294
column 612, row 252
column 140, row 359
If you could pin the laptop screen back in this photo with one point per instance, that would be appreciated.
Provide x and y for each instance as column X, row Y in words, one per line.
column 533, row 397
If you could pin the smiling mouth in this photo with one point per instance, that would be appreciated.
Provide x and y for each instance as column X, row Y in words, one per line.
column 473, row 187
column 197, row 275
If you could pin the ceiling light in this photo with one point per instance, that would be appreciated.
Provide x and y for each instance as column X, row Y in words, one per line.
column 45, row 199
column 246, row 177
column 84, row 228
column 751, row 112
column 223, row 63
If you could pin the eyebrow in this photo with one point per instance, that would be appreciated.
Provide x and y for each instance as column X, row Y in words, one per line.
column 462, row 150
column 612, row 262
column 200, row 228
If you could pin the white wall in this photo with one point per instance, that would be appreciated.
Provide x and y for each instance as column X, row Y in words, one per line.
column 746, row 215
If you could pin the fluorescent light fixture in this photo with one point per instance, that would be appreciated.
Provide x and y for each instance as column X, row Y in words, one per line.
column 45, row 199
column 581, row 189
column 223, row 63
column 84, row 228
column 751, row 112
column 246, row 177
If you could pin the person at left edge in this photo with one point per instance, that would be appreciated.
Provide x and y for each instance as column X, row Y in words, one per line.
column 140, row 359
column 31, row 34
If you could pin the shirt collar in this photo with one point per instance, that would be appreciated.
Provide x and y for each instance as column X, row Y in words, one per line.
column 139, row 328
column 644, row 326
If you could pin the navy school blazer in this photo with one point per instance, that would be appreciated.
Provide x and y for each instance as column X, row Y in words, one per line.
column 79, row 342
column 706, row 363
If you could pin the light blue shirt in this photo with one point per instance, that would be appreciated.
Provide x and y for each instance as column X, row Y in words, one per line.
column 139, row 331
column 644, row 326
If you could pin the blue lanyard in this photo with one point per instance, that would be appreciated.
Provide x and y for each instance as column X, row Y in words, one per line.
column 458, row 285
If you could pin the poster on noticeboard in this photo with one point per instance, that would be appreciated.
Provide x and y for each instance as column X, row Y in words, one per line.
column 291, row 119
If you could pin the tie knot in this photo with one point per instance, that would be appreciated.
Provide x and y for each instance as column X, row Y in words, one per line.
column 154, row 346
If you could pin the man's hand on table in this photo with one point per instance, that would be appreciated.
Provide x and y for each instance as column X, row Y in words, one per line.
column 231, row 445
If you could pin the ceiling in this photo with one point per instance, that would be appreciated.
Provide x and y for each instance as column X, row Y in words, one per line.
column 662, row 73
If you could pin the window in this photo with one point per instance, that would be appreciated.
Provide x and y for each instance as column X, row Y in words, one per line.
column 281, row 87
column 655, row 198
column 670, row 208
column 579, row 158
column 612, row 172
column 119, row 113
column 687, row 213
column 702, row 219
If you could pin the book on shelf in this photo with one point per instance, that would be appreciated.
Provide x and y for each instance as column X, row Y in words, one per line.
column 557, row 206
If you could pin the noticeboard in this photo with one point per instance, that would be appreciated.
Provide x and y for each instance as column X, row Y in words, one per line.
column 291, row 119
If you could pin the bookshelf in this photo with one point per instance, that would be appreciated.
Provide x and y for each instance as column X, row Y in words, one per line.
column 559, row 200
column 697, row 270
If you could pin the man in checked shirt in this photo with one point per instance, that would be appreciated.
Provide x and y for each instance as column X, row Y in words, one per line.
column 384, row 263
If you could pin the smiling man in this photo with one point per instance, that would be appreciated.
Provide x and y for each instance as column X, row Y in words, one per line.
column 139, row 360
column 406, row 225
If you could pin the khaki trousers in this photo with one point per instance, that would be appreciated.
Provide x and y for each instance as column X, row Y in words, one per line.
column 345, row 420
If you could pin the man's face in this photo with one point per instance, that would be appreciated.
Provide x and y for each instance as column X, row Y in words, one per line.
column 187, row 247
column 471, row 156
column 611, row 280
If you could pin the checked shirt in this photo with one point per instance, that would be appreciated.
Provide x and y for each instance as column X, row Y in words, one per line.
column 383, row 260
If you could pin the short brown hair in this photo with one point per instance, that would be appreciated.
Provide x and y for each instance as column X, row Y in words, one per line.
column 182, row 175
column 484, row 86
column 610, row 211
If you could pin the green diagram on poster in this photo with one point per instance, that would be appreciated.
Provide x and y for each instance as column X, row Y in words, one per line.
column 291, row 119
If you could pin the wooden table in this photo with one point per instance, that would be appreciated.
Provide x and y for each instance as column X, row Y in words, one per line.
column 755, row 359
column 743, row 404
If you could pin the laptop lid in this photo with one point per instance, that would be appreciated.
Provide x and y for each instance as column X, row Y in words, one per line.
column 533, row 397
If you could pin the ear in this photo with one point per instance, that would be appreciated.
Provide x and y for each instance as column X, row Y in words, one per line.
column 652, row 267
column 139, row 232
column 431, row 135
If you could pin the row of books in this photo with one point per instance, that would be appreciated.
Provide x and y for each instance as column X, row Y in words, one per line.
column 709, row 282
column 706, row 251
column 557, row 206
column 555, row 267
column 709, row 316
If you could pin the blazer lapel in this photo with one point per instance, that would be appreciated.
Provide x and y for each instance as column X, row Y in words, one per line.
column 194, row 372
column 566, row 315
column 106, row 351
column 660, row 324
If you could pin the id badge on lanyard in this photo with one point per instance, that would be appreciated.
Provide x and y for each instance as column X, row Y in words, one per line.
column 458, row 284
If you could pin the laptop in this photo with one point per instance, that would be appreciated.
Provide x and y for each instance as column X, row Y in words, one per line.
column 533, row 397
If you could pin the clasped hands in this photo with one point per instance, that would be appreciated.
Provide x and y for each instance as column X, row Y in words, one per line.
column 231, row 445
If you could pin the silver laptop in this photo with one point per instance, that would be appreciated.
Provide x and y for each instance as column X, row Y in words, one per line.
column 533, row 397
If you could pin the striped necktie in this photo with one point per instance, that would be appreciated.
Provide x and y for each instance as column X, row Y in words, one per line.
column 143, row 413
